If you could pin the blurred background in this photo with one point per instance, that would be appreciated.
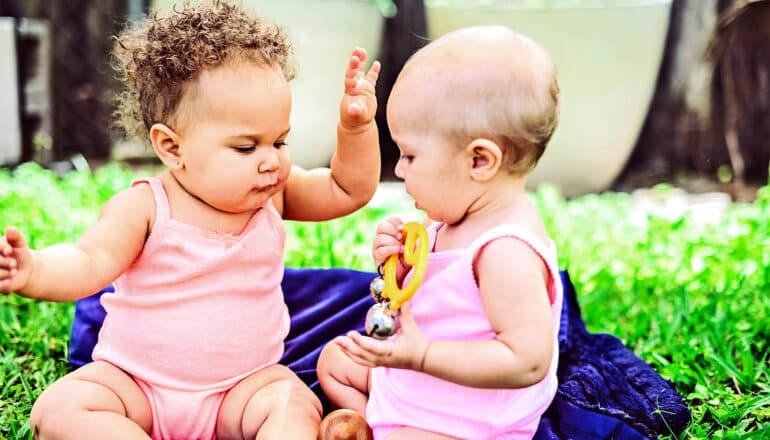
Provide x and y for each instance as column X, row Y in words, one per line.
column 653, row 91
column 655, row 94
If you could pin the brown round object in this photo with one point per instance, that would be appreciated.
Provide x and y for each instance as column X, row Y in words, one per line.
column 344, row 424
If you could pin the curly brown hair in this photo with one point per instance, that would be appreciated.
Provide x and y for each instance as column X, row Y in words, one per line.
column 161, row 57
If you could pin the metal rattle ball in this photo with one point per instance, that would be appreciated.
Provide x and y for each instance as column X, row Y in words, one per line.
column 381, row 321
column 376, row 287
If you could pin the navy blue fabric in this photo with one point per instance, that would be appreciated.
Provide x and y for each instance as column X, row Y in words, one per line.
column 605, row 391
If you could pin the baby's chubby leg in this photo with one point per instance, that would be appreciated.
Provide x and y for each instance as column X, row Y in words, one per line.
column 271, row 403
column 344, row 382
column 98, row 400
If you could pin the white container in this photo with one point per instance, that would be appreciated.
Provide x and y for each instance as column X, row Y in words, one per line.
column 607, row 53
column 10, row 124
column 324, row 33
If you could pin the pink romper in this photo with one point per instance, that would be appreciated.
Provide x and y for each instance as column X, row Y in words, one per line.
column 448, row 306
column 197, row 312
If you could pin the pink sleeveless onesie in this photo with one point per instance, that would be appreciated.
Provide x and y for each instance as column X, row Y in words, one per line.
column 195, row 313
column 448, row 306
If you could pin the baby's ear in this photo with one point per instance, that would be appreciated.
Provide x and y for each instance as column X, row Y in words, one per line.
column 485, row 158
column 165, row 142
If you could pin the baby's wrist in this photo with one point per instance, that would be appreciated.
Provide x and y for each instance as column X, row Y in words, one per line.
column 421, row 367
column 356, row 129
column 27, row 289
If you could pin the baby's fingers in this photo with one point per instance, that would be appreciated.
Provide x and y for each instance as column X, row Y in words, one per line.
column 6, row 276
column 5, row 248
column 8, row 263
column 353, row 76
column 357, row 358
column 355, row 69
column 392, row 226
column 15, row 238
column 360, row 53
column 354, row 351
column 374, row 73
column 382, row 252
column 380, row 349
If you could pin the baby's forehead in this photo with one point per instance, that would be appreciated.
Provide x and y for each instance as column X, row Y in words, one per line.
column 233, row 88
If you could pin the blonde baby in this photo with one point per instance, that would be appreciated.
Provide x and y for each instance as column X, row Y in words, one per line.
column 476, row 354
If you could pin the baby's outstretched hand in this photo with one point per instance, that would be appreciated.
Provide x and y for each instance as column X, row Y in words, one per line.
column 15, row 261
column 406, row 350
column 359, row 104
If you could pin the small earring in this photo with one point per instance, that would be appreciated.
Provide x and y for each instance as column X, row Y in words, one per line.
column 177, row 164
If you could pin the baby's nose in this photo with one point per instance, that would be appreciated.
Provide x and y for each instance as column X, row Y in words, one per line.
column 268, row 164
column 399, row 171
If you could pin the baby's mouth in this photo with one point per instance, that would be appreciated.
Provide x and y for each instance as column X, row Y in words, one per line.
column 269, row 187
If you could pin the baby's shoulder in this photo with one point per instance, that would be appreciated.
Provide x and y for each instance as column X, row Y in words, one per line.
column 134, row 201
column 139, row 193
column 526, row 223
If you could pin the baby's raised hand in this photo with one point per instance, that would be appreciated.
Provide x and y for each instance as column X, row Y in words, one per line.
column 406, row 350
column 359, row 104
column 15, row 261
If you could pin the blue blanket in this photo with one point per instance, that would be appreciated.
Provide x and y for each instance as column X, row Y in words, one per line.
column 605, row 391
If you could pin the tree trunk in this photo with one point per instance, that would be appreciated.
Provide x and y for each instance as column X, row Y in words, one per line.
column 81, row 111
column 403, row 35
column 710, row 110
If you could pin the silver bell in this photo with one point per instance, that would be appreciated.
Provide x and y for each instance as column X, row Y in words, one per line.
column 376, row 287
column 381, row 322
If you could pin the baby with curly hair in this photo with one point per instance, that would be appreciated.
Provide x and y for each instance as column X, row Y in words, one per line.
column 193, row 334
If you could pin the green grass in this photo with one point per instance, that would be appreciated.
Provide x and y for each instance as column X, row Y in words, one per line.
column 690, row 298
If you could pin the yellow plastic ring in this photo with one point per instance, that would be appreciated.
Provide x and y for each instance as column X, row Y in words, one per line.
column 415, row 255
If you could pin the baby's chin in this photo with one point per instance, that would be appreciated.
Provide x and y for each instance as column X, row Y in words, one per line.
column 255, row 201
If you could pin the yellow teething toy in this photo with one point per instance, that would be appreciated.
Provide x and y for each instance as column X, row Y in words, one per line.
column 415, row 255
column 382, row 318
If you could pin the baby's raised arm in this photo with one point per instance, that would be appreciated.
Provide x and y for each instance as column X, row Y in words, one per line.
column 324, row 193
column 67, row 272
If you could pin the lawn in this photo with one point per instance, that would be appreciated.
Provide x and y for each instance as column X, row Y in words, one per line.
column 687, row 294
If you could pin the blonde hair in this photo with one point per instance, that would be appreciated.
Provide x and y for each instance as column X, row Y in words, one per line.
column 512, row 100
column 160, row 58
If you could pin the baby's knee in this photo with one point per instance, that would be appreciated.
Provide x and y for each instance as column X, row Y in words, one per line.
column 284, row 408
column 49, row 414
column 330, row 360
column 293, row 395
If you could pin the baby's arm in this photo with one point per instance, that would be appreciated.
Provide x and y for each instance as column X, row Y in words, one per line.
column 324, row 193
column 67, row 272
column 517, row 305
column 513, row 281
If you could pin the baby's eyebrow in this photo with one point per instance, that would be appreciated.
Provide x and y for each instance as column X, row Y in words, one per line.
column 250, row 137
column 254, row 137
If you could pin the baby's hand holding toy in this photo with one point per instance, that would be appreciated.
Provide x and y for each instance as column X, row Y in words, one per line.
column 382, row 318
column 407, row 351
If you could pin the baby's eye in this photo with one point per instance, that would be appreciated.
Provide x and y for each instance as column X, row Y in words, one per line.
column 279, row 144
column 406, row 157
column 245, row 149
